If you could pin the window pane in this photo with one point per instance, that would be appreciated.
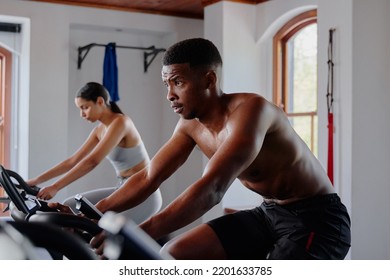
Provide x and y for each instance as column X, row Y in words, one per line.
column 307, row 129
column 303, row 70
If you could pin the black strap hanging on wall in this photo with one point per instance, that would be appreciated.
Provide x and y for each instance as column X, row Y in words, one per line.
column 150, row 53
column 329, row 95
column 329, row 99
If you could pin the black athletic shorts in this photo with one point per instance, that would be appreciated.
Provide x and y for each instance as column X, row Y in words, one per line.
column 314, row 228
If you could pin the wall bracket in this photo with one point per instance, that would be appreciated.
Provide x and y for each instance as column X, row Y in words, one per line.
column 150, row 53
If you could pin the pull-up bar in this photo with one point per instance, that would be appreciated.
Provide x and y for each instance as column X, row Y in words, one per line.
column 150, row 53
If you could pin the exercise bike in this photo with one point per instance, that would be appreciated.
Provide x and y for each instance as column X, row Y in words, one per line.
column 33, row 217
column 28, row 211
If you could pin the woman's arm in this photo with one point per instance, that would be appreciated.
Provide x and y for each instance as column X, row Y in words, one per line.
column 67, row 164
column 114, row 134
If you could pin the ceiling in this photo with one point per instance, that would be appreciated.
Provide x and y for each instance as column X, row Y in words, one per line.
column 180, row 8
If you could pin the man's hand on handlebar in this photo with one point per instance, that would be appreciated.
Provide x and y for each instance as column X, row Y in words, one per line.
column 60, row 207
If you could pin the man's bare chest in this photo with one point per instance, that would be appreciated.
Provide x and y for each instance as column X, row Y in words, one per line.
column 210, row 142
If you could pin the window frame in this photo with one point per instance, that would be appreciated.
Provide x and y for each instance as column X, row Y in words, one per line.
column 5, row 114
column 280, row 64
column 5, row 95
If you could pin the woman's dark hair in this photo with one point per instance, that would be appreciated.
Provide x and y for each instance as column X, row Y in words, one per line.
column 92, row 90
column 196, row 52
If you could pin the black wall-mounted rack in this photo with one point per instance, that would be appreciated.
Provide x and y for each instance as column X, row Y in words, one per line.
column 150, row 53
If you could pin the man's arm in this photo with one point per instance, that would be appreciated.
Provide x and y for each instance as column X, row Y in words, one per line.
column 247, row 128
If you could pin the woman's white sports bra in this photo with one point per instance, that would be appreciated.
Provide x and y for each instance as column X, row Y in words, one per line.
column 125, row 158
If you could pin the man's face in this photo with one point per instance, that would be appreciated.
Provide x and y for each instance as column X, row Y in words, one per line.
column 186, row 88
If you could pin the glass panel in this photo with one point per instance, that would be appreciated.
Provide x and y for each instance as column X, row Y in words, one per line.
column 303, row 71
column 307, row 129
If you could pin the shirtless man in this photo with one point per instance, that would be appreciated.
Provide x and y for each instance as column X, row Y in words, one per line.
column 245, row 137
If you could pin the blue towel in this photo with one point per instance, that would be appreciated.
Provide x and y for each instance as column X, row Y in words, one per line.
column 110, row 72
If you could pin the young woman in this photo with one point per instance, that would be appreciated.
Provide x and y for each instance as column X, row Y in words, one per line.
column 115, row 138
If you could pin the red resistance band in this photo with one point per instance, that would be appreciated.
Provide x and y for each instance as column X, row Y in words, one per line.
column 330, row 146
column 329, row 97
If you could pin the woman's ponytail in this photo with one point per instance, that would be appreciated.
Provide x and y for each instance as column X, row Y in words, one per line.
column 115, row 108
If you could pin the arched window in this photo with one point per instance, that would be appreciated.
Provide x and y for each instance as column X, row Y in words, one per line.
column 295, row 75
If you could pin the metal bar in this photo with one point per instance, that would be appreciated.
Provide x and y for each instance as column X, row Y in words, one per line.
column 10, row 27
column 303, row 114
column 146, row 55
column 153, row 51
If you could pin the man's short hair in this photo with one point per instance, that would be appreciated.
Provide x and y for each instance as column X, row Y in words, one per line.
column 196, row 52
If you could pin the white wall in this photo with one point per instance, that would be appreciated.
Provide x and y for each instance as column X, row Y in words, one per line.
column 370, row 129
column 362, row 155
